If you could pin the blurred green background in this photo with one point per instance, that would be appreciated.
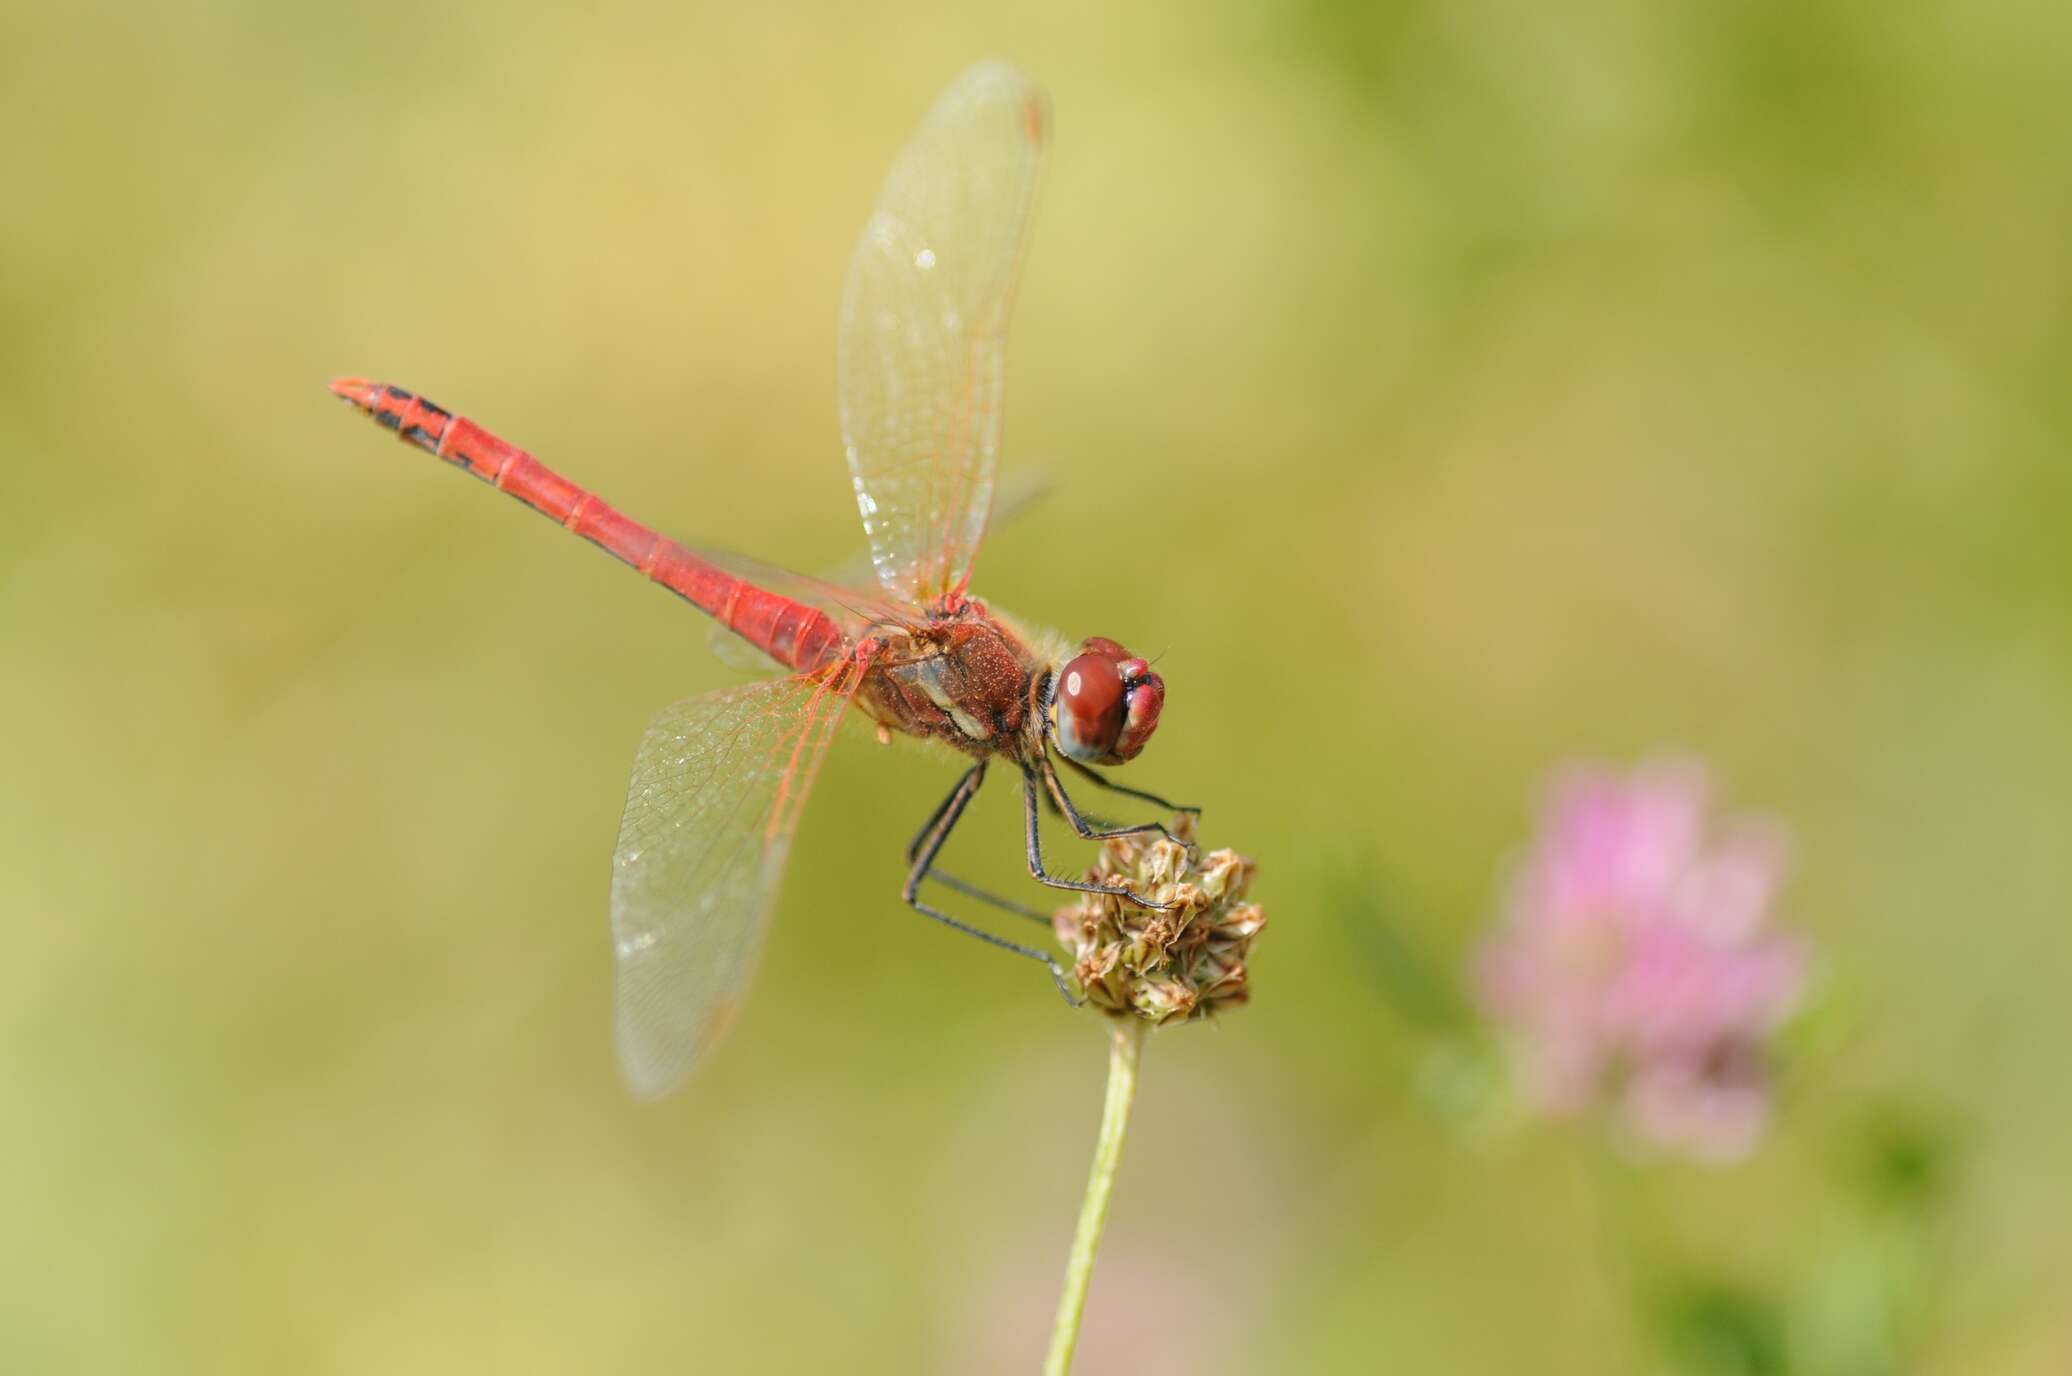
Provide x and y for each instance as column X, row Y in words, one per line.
column 1446, row 390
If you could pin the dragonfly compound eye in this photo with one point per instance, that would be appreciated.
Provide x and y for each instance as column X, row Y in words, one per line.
column 1087, row 707
column 1144, row 696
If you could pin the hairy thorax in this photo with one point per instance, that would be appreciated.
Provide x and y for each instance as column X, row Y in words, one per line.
column 963, row 677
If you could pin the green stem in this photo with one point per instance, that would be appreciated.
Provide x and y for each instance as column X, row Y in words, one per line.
column 1126, row 1042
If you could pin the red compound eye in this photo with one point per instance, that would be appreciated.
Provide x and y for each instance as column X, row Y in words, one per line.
column 1087, row 707
column 1145, row 692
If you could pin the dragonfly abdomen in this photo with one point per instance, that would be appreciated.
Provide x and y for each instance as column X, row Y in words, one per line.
column 789, row 631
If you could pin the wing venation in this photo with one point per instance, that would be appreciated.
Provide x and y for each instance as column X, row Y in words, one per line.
column 718, row 785
column 924, row 322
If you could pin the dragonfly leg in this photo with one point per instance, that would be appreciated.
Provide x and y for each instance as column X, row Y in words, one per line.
column 1032, row 812
column 935, row 818
column 950, row 881
column 924, row 861
column 1006, row 905
column 1086, row 830
column 1094, row 776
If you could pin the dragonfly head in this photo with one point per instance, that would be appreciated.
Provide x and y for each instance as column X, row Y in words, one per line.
column 1104, row 704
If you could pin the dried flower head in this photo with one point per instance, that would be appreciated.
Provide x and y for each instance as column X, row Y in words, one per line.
column 1634, row 969
column 1186, row 961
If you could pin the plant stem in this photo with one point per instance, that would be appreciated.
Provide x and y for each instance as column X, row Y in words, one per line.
column 1125, row 1044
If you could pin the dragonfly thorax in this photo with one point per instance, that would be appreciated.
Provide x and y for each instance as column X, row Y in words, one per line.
column 962, row 678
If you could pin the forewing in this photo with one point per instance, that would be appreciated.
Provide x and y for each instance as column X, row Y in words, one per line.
column 924, row 318
column 839, row 591
column 849, row 594
column 717, row 787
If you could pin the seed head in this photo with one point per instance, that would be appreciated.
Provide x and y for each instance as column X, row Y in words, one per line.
column 1182, row 959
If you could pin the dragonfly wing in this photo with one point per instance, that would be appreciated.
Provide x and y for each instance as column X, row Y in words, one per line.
column 718, row 784
column 850, row 597
column 924, row 319
column 839, row 591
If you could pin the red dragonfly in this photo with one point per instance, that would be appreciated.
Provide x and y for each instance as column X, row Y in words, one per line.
column 719, row 780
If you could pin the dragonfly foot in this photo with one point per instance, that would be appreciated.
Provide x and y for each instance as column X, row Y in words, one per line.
column 1137, row 899
column 1057, row 975
column 1187, row 844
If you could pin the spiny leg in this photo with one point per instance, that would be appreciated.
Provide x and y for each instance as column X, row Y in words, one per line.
column 1006, row 905
column 1032, row 812
column 950, row 881
column 944, row 823
column 928, row 827
column 1092, row 775
column 1086, row 830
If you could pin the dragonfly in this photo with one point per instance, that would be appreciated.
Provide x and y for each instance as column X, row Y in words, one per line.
column 719, row 781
